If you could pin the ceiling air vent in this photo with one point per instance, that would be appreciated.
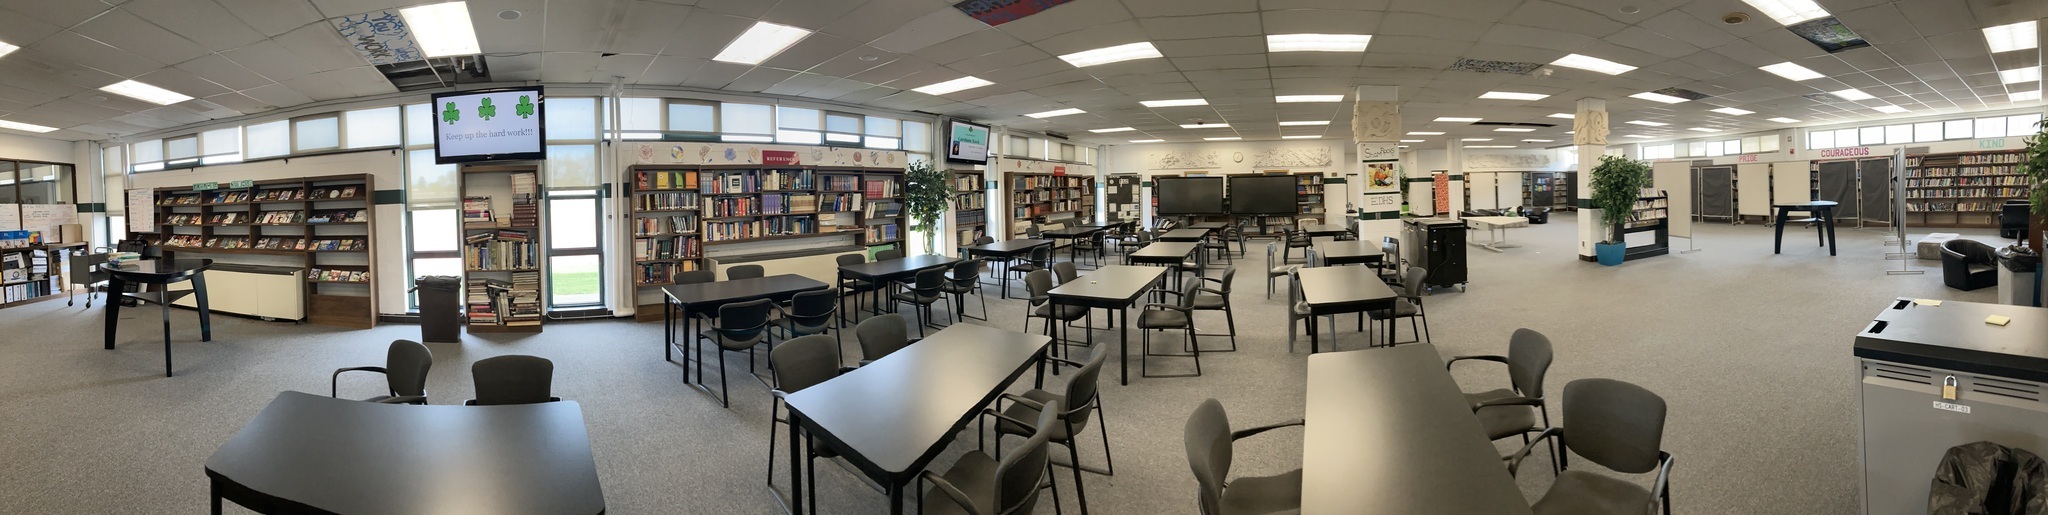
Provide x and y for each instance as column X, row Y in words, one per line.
column 1829, row 34
column 1483, row 66
column 436, row 73
column 1821, row 97
column 1682, row 93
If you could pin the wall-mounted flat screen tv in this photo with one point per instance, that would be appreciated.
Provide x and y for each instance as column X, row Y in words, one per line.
column 505, row 124
column 966, row 142
column 1263, row 195
column 1188, row 195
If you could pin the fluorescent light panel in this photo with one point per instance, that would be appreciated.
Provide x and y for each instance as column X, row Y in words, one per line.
column 2003, row 38
column 1584, row 62
column 442, row 29
column 1412, row 141
column 1146, row 140
column 1175, row 103
column 1514, row 129
column 1115, row 54
column 1425, row 133
column 1782, row 119
column 1852, row 94
column 1477, row 139
column 1489, row 146
column 2018, row 75
column 1204, row 125
column 960, row 84
column 1317, row 42
column 1651, row 124
column 1300, row 137
column 1510, row 95
column 1788, row 12
column 1792, row 72
column 1227, row 138
column 1567, row 116
column 1060, row 112
column 30, row 127
column 2023, row 96
column 1454, row 119
column 1109, row 130
column 1637, row 136
column 1657, row 97
column 145, row 92
column 1733, row 111
column 1295, row 99
column 760, row 42
column 1889, row 109
column 6, row 49
column 1702, row 129
column 1306, row 122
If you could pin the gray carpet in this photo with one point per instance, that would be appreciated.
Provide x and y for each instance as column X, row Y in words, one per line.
column 1750, row 349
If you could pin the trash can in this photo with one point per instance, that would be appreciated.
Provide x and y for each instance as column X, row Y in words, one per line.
column 440, row 308
column 2016, row 274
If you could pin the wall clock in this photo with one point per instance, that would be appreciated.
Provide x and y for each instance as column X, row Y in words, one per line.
column 1236, row 157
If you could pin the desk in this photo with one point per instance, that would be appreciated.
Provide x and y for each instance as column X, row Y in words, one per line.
column 1388, row 432
column 1006, row 250
column 1333, row 290
column 707, row 297
column 160, row 273
column 1170, row 254
column 1317, row 230
column 881, row 273
column 893, row 416
column 1184, row 235
column 1823, row 211
column 1350, row 252
column 1111, row 287
column 1208, row 226
column 310, row 454
column 1073, row 234
column 1496, row 223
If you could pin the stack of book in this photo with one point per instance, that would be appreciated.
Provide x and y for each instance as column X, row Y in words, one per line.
column 521, row 305
column 500, row 250
column 476, row 209
column 525, row 200
column 477, row 298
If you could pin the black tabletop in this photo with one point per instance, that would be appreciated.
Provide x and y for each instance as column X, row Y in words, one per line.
column 1323, row 229
column 1343, row 250
column 1389, row 432
column 1009, row 247
column 1113, row 284
column 1954, row 336
column 1808, row 205
column 1164, row 250
column 895, row 414
column 1343, row 289
column 157, row 271
column 890, row 267
column 1072, row 231
column 741, row 289
column 345, row 456
column 1208, row 226
column 1184, row 235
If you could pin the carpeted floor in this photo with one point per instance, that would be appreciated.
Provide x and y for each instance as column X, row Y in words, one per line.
column 1750, row 349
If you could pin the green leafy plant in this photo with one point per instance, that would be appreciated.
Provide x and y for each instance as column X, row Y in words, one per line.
column 2035, row 165
column 1617, row 183
column 926, row 191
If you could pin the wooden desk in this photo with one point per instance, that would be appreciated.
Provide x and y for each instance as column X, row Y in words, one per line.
column 1389, row 432
column 1114, row 287
column 707, row 297
column 1333, row 290
column 1006, row 250
column 893, row 416
column 310, row 454
column 161, row 273
column 1823, row 211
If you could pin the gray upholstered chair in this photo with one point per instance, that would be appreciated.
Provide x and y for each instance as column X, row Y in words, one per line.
column 808, row 313
column 1505, row 412
column 964, row 280
column 1298, row 310
column 740, row 327
column 888, row 254
column 1039, row 305
column 880, row 336
column 1081, row 396
column 698, row 277
column 978, row 484
column 1040, row 258
column 512, row 379
column 737, row 272
column 1092, row 247
column 928, row 290
column 1616, row 425
column 1065, row 272
column 798, row 364
column 1408, row 305
column 1214, row 295
column 855, row 289
column 1179, row 315
column 405, row 368
column 1209, row 440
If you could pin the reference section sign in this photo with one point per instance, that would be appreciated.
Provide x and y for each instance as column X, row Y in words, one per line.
column 489, row 125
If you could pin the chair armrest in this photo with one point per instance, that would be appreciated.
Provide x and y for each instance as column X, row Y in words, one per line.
column 1169, row 292
column 1170, row 306
column 1510, row 401
column 1019, row 399
column 334, row 383
column 1515, row 460
column 1663, row 477
column 405, row 399
column 1243, row 433
column 1001, row 417
column 1496, row 359
column 1211, row 290
column 946, row 487
column 778, row 393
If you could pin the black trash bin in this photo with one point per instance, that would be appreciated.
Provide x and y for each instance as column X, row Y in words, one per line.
column 440, row 308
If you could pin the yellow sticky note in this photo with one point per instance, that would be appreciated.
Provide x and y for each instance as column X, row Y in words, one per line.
column 1927, row 302
column 1998, row 320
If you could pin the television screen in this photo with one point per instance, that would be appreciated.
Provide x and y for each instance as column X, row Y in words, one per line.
column 1189, row 195
column 489, row 125
column 966, row 142
column 1263, row 195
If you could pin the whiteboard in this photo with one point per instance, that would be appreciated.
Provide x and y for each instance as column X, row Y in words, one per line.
column 1791, row 182
column 1481, row 186
column 1675, row 178
column 141, row 210
column 46, row 218
column 1753, row 185
column 10, row 217
column 1508, row 188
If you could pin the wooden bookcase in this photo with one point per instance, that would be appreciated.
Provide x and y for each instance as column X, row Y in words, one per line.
column 323, row 225
column 970, row 206
column 666, row 224
column 1038, row 196
column 504, row 249
column 1308, row 192
column 1962, row 189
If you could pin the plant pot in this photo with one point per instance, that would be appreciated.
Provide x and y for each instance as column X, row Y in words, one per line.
column 1610, row 254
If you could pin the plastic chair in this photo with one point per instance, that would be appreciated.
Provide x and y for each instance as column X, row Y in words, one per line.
column 1209, row 439
column 1616, row 425
column 405, row 368
column 981, row 485
column 1275, row 269
column 512, row 379
column 740, row 326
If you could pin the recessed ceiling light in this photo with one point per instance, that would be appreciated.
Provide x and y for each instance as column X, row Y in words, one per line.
column 145, row 92
column 1702, row 129
column 1115, row 54
column 1782, row 119
column 1425, row 133
column 1536, row 141
column 1300, row 137
column 1317, row 42
column 1477, row 139
column 30, row 127
column 1305, row 122
column 1059, row 112
column 1637, row 136
column 2027, row 74
column 1889, row 109
column 1657, row 97
column 1146, row 140
column 1792, row 72
column 1566, row 116
column 1514, row 129
column 1510, row 95
column 442, row 29
column 1852, row 94
column 6, row 48
column 1412, row 141
column 960, row 84
column 1592, row 63
column 760, row 42
column 1292, row 99
column 509, row 15
column 2022, row 96
column 1651, row 124
column 1175, row 103
column 1453, row 119
column 1489, row 146
column 1228, row 138
column 1116, row 129
column 1788, row 12
column 2003, row 38
column 1732, row 111
column 1217, row 125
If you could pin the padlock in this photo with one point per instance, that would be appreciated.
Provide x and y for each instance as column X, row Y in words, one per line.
column 1948, row 388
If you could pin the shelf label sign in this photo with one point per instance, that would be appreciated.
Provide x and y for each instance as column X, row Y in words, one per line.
column 780, row 157
column 1846, row 152
column 1746, row 158
column 205, row 186
column 1059, row 171
column 242, row 184
column 1991, row 143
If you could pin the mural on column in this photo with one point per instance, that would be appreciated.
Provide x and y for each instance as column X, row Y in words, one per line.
column 1590, row 128
column 1376, row 127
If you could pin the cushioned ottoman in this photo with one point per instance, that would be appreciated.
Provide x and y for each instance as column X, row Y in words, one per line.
column 1929, row 247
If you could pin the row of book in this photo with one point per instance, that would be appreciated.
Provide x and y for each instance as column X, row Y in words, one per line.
column 968, row 217
column 521, row 306
column 338, row 276
column 28, row 290
column 339, row 216
column 1972, row 171
column 242, row 196
column 679, row 247
column 966, row 202
column 882, row 187
column 23, row 266
column 477, row 299
column 839, row 202
column 884, row 232
column 279, row 217
column 2010, row 180
column 665, row 201
column 334, row 193
column 661, row 273
column 842, row 183
column 500, row 250
column 1989, row 159
column 664, row 180
column 883, row 209
column 664, row 226
column 732, row 206
column 967, row 183
column 1951, row 207
column 2001, row 193
column 476, row 209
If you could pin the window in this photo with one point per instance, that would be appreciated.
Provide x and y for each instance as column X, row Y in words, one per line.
column 318, row 133
column 221, row 146
column 917, row 136
column 1767, row 144
column 1926, row 132
column 746, row 122
column 1715, row 149
column 1957, row 129
column 1067, row 152
column 1017, row 146
column 1872, row 135
column 1898, row 134
column 1750, row 145
column 1820, row 139
column 2023, row 124
column 1696, row 148
column 798, row 125
column 369, row 128
column 268, row 139
column 1846, row 138
column 842, row 128
column 692, row 117
column 181, row 151
column 639, row 118
column 571, row 118
column 1991, row 127
column 419, row 123
column 885, row 133
column 575, row 258
column 1665, row 151
column 572, row 166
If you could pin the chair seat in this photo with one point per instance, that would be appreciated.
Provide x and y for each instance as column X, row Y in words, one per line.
column 801, row 328
column 1975, row 269
column 1162, row 319
column 1502, row 421
column 1066, row 312
column 1020, row 411
column 729, row 344
column 1281, row 270
column 1211, row 302
column 957, row 288
column 1268, row 494
column 975, row 475
column 1402, row 308
column 1578, row 492
column 912, row 296
column 1025, row 267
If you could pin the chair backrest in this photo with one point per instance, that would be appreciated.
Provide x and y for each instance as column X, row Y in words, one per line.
column 1018, row 474
column 881, row 335
column 1272, row 251
column 984, row 240
column 1229, row 274
column 929, row 281
column 1411, row 280
column 405, row 367
column 512, row 379
column 1971, row 250
column 1616, row 424
column 1041, row 255
column 1187, row 293
column 803, row 362
column 742, row 321
column 850, row 259
column 814, row 308
column 1207, row 438
column 1065, row 271
column 885, row 255
column 696, row 277
column 1037, row 283
column 745, row 272
column 1082, row 389
column 1528, row 361
column 966, row 273
column 1031, row 231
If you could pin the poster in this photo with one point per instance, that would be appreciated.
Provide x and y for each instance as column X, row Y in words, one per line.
column 141, row 210
column 1382, row 178
column 10, row 217
column 1442, row 183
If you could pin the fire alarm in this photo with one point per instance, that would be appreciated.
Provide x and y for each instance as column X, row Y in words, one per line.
column 1735, row 18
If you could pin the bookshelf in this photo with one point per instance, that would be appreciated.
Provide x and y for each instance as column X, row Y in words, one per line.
column 1963, row 189
column 666, row 206
column 1308, row 192
column 970, row 206
column 28, row 274
column 1651, row 214
column 503, row 259
column 1037, row 196
column 321, row 225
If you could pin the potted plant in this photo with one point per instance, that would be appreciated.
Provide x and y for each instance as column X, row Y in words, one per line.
column 926, row 192
column 1617, row 183
column 2035, row 165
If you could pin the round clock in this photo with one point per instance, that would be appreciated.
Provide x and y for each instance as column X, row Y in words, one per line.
column 1236, row 157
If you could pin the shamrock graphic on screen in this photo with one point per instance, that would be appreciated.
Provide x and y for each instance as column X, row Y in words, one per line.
column 525, row 107
column 486, row 110
column 450, row 115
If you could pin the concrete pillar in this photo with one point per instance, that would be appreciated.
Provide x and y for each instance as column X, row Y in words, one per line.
column 1589, row 133
column 1376, row 132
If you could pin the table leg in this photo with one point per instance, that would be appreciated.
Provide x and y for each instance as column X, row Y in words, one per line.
column 1827, row 216
column 213, row 491
column 1779, row 247
column 1314, row 345
column 166, row 307
column 895, row 499
column 1123, row 339
column 796, row 463
column 115, row 296
column 205, row 315
column 668, row 332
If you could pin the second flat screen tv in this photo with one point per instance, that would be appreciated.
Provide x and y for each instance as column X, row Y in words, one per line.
column 1189, row 195
column 1263, row 195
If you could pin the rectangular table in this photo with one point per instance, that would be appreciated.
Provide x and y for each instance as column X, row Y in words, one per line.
column 707, row 297
column 1073, row 233
column 1389, row 432
column 1350, row 252
column 1114, row 287
column 1501, row 224
column 1208, row 226
column 1006, row 250
column 880, row 273
column 1315, row 230
column 1184, row 235
column 1333, row 290
column 893, row 416
column 1166, row 253
column 310, row 454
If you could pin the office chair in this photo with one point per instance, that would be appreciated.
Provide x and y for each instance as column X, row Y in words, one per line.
column 965, row 279
column 1408, row 305
column 1179, row 315
column 737, row 272
column 740, row 327
column 1065, row 272
column 1209, row 439
column 888, row 254
column 880, row 336
column 808, row 313
column 1274, row 268
column 978, row 484
column 1040, row 258
column 405, row 368
column 1505, row 412
column 853, row 289
column 1039, row 305
column 1081, row 396
column 921, row 295
column 1217, row 298
column 798, row 364
column 1616, row 425
column 512, row 379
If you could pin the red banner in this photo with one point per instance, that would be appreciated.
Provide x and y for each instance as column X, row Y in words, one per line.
column 1443, row 193
column 779, row 157
column 1059, row 171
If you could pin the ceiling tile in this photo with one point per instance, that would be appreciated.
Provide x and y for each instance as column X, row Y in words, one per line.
column 1198, row 27
column 499, row 35
column 22, row 30
column 570, row 67
column 270, row 60
column 183, row 82
column 871, row 20
column 927, row 30
column 129, row 32
column 1320, row 21
column 319, row 46
column 671, row 70
column 810, row 14
column 274, row 17
column 811, row 52
column 317, row 86
column 646, row 27
column 205, row 23
column 1653, row 42
column 714, row 75
column 704, row 34
column 277, row 95
column 972, row 45
column 1879, row 24
column 741, row 8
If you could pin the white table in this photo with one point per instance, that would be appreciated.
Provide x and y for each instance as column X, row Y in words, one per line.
column 1496, row 225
